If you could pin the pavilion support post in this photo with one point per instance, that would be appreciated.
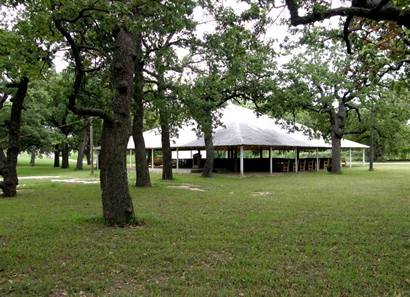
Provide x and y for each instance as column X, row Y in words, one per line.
column 296, row 159
column 241, row 162
column 130, row 158
column 177, row 159
column 317, row 160
column 350, row 158
column 364, row 157
column 152, row 158
column 270, row 160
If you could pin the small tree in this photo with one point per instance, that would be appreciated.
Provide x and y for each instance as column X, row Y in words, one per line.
column 156, row 60
column 21, row 59
column 232, row 64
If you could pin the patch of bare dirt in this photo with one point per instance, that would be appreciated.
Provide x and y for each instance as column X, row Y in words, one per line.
column 188, row 187
column 261, row 194
column 75, row 181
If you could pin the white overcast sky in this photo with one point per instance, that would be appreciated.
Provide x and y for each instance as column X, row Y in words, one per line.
column 276, row 30
column 206, row 25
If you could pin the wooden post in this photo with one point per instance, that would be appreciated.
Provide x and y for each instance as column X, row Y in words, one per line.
column 317, row 160
column 241, row 162
column 350, row 158
column 91, row 147
column 296, row 160
column 270, row 160
column 152, row 158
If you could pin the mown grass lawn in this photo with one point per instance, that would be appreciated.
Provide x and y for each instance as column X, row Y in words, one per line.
column 311, row 234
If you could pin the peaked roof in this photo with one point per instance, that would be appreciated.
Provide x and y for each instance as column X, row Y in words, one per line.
column 242, row 126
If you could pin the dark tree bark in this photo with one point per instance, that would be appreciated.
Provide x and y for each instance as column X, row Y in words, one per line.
column 65, row 129
column 206, row 126
column 141, row 164
column 33, row 154
column 166, row 146
column 117, row 204
column 87, row 154
column 65, row 155
column 209, row 148
column 56, row 156
column 8, row 164
column 336, row 153
column 150, row 158
column 381, row 12
column 81, row 148
column 338, row 121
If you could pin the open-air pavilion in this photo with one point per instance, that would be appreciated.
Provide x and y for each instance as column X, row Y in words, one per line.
column 242, row 135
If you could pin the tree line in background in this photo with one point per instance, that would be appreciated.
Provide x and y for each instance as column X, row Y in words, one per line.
column 134, row 65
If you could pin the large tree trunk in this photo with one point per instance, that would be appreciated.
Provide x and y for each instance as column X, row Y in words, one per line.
column 65, row 155
column 81, row 148
column 56, row 156
column 141, row 165
column 166, row 146
column 209, row 147
column 337, row 120
column 33, row 154
column 336, row 153
column 117, row 204
column 8, row 164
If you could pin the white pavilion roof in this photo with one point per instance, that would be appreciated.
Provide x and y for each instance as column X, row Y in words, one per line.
column 241, row 126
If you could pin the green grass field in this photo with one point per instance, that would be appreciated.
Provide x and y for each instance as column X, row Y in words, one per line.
column 310, row 234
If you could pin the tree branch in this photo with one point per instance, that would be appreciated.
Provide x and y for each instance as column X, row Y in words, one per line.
column 79, row 77
column 82, row 14
column 346, row 33
column 382, row 13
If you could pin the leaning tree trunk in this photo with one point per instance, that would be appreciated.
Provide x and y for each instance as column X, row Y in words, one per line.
column 209, row 147
column 117, row 204
column 33, row 156
column 141, row 166
column 81, row 148
column 166, row 146
column 8, row 164
column 56, row 156
column 65, row 155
